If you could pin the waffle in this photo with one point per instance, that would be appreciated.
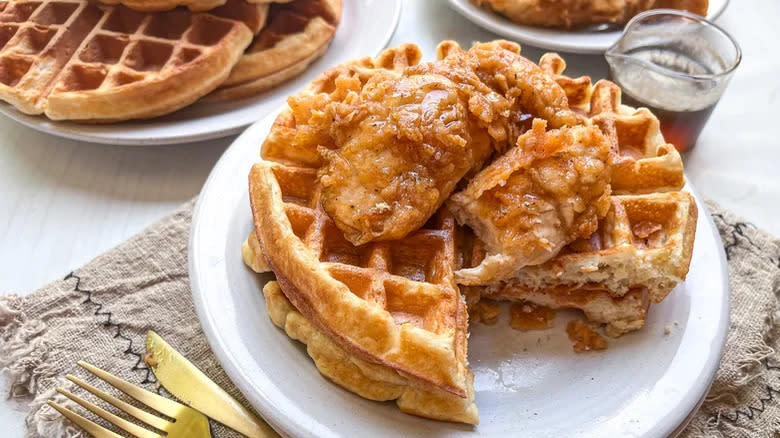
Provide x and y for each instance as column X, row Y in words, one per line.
column 73, row 59
column 296, row 34
column 367, row 379
column 642, row 248
column 568, row 14
column 393, row 304
column 644, row 241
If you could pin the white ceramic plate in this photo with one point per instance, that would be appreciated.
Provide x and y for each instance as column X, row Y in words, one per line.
column 527, row 383
column 374, row 21
column 552, row 39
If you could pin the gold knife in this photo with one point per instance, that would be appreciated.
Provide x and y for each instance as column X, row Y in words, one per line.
column 184, row 380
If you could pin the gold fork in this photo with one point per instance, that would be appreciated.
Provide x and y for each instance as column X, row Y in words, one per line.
column 187, row 422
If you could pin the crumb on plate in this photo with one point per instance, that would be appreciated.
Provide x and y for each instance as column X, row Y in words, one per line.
column 584, row 337
column 527, row 316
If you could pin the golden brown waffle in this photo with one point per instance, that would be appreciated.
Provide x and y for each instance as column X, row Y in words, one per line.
column 576, row 13
column 252, row 254
column 367, row 379
column 73, row 59
column 393, row 304
column 297, row 33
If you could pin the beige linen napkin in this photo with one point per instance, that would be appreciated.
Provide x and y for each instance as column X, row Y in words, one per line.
column 101, row 312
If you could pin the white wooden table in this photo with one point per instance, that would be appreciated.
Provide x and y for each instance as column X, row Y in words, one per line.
column 63, row 202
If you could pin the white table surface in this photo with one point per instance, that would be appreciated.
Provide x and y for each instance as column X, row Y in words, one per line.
column 64, row 202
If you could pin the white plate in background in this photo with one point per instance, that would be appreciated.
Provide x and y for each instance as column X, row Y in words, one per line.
column 527, row 383
column 573, row 41
column 374, row 21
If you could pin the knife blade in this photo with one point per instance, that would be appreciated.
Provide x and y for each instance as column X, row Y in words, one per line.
column 184, row 380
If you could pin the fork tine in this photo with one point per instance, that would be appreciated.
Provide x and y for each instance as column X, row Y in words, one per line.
column 92, row 428
column 156, row 402
column 142, row 415
column 131, row 428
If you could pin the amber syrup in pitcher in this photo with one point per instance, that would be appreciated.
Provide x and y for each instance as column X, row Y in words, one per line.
column 680, row 128
column 682, row 107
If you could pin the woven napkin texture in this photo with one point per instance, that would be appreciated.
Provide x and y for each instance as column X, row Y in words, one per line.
column 101, row 312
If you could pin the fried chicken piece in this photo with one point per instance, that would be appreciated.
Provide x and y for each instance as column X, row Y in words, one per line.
column 506, row 91
column 575, row 13
column 548, row 191
column 530, row 90
column 398, row 148
column 330, row 96
column 411, row 140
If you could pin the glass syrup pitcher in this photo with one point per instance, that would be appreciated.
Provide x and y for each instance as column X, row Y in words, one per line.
column 678, row 65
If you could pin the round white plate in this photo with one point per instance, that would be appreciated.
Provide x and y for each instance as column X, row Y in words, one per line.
column 527, row 383
column 374, row 21
column 553, row 39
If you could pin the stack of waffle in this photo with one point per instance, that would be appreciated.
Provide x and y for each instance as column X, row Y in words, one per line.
column 386, row 319
column 129, row 59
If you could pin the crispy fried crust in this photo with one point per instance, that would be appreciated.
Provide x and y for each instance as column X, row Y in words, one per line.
column 396, row 147
column 576, row 13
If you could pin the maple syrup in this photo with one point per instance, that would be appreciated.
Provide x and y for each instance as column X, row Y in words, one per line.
column 680, row 128
column 677, row 65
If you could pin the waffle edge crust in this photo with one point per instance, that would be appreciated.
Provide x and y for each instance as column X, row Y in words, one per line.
column 76, row 60
column 368, row 380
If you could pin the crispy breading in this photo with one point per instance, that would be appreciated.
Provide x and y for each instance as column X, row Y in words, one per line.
column 395, row 149
column 576, row 13
column 545, row 193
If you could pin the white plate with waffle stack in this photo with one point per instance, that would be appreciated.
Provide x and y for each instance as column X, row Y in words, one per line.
column 646, row 384
column 589, row 41
column 375, row 21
